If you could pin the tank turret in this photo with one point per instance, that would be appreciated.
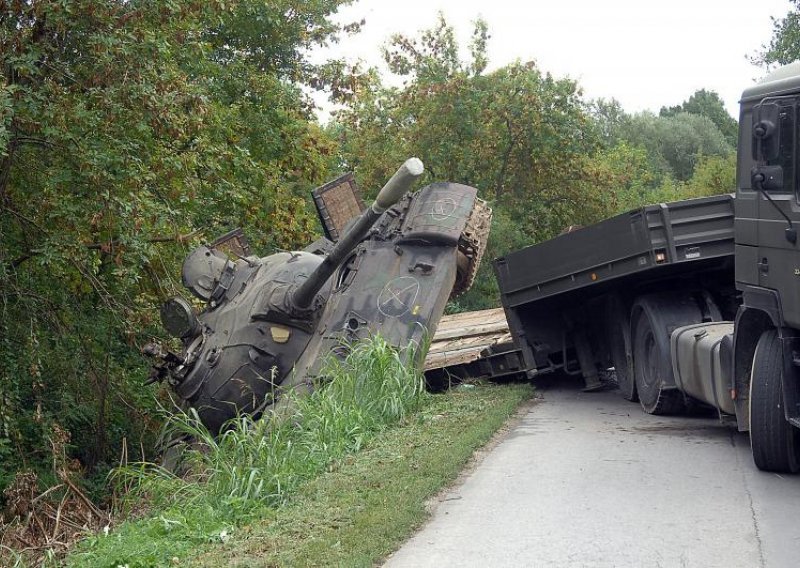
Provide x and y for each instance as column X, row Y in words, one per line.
column 268, row 322
column 391, row 193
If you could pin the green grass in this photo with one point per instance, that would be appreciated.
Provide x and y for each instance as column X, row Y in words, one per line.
column 362, row 511
column 320, row 480
column 254, row 463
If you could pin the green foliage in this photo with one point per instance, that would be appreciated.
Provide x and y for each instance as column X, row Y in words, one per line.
column 687, row 151
column 367, row 506
column 630, row 173
column 258, row 464
column 507, row 133
column 713, row 175
column 543, row 157
column 5, row 116
column 784, row 46
column 610, row 119
column 708, row 104
column 676, row 142
column 124, row 127
column 433, row 57
column 275, row 35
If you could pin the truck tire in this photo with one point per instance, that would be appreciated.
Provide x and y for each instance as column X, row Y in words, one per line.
column 774, row 442
column 653, row 366
column 619, row 345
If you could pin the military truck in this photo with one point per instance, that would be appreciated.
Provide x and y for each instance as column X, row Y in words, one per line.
column 691, row 303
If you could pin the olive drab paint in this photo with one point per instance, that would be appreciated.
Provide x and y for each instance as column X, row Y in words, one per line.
column 269, row 323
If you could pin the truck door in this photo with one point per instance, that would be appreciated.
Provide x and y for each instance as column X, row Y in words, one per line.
column 777, row 210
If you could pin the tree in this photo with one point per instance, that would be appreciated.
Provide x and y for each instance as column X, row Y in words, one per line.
column 708, row 104
column 610, row 119
column 629, row 173
column 524, row 138
column 675, row 143
column 784, row 46
column 713, row 175
column 128, row 131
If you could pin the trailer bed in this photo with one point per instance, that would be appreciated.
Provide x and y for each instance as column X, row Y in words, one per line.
column 650, row 241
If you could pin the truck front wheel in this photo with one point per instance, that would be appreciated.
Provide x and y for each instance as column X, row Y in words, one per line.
column 653, row 366
column 775, row 443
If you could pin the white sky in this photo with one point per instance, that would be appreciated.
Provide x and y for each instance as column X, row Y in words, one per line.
column 645, row 54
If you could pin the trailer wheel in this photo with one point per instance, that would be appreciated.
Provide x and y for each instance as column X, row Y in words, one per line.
column 775, row 443
column 619, row 345
column 652, row 365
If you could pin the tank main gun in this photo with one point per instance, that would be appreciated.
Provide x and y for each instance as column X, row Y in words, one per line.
column 395, row 188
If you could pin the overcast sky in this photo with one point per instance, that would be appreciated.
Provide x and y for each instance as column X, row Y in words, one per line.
column 645, row 54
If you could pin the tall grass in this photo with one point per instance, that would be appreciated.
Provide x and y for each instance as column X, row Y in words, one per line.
column 260, row 462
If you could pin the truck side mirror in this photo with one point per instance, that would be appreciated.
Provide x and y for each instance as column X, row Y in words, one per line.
column 766, row 132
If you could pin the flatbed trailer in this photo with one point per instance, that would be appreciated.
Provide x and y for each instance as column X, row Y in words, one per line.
column 694, row 302
column 634, row 247
column 561, row 288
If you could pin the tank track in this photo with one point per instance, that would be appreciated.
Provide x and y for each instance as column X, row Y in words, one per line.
column 472, row 245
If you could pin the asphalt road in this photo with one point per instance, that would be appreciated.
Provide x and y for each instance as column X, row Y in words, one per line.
column 590, row 480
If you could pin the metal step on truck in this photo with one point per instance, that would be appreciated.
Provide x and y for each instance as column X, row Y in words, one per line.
column 692, row 303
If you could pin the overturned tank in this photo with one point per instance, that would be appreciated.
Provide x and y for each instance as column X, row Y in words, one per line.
column 269, row 323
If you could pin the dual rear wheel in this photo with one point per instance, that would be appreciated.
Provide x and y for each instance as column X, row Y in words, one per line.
column 653, row 366
column 775, row 442
column 653, row 318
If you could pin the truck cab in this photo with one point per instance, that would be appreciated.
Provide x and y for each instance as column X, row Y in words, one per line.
column 767, row 260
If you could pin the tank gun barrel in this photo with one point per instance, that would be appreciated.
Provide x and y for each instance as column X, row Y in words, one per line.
column 390, row 194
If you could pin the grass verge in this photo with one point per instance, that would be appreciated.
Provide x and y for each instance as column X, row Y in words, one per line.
column 343, row 480
column 362, row 511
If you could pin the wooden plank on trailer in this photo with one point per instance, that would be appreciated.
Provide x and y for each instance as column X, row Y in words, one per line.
column 460, row 338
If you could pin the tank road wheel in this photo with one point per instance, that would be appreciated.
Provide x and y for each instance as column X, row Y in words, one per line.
column 652, row 366
column 471, row 246
column 775, row 443
column 619, row 345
